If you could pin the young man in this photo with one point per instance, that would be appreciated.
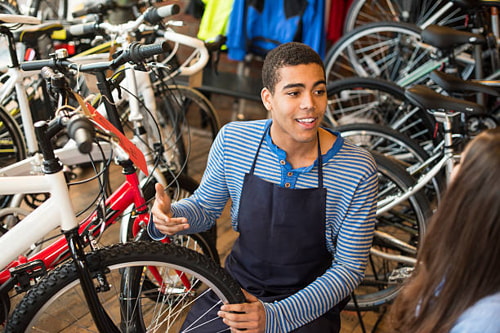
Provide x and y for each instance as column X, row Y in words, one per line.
column 303, row 202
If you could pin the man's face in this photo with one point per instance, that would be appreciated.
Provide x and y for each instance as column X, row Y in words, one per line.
column 298, row 103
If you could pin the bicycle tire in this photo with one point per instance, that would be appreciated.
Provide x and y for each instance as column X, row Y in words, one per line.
column 12, row 146
column 405, row 223
column 367, row 11
column 388, row 50
column 396, row 145
column 384, row 140
column 373, row 100
column 118, row 264
column 198, row 122
column 8, row 8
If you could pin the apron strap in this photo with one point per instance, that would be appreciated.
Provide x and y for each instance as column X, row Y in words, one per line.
column 257, row 153
column 320, row 160
column 320, row 165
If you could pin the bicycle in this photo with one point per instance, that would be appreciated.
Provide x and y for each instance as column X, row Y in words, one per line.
column 420, row 12
column 394, row 50
column 57, row 210
column 383, row 290
column 359, row 101
column 179, row 102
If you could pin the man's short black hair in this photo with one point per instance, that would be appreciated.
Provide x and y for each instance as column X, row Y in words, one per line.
column 288, row 54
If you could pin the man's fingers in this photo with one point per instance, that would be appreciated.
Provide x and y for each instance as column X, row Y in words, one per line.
column 160, row 192
column 171, row 229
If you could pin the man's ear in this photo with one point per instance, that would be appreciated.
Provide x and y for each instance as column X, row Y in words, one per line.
column 266, row 96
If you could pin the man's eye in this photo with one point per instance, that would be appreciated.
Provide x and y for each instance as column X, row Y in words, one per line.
column 292, row 93
column 320, row 92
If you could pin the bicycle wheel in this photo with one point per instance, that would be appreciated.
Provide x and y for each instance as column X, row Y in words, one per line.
column 384, row 140
column 8, row 8
column 12, row 146
column 194, row 116
column 371, row 100
column 388, row 50
column 391, row 143
column 420, row 12
column 398, row 234
column 57, row 302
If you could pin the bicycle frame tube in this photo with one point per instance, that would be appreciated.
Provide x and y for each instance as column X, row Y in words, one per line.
column 53, row 213
column 56, row 211
column 15, row 81
column 392, row 201
column 446, row 161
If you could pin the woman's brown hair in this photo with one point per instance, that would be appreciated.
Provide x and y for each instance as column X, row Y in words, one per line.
column 458, row 261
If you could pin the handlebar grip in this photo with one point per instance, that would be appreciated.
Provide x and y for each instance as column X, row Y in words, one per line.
column 155, row 15
column 82, row 131
column 37, row 64
column 79, row 13
column 83, row 29
column 100, row 7
column 137, row 52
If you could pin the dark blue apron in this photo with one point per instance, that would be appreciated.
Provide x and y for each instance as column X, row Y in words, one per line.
column 281, row 247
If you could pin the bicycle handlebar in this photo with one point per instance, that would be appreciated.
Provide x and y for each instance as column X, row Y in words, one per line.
column 97, row 8
column 135, row 53
column 154, row 15
column 195, row 63
column 189, row 68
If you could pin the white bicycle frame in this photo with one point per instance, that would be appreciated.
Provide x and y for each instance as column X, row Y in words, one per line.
column 446, row 160
column 69, row 154
column 56, row 211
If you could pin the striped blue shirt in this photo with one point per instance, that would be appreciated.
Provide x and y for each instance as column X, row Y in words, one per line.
column 350, row 176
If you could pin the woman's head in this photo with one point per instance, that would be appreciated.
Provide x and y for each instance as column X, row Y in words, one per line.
column 474, row 193
column 460, row 255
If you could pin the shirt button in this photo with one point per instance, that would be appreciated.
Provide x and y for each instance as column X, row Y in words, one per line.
column 282, row 162
column 289, row 174
column 287, row 185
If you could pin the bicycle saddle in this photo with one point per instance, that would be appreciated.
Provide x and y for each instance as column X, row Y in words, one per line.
column 31, row 34
column 18, row 19
column 453, row 83
column 447, row 38
column 428, row 99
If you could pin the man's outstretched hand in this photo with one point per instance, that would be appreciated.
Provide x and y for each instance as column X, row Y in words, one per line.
column 162, row 216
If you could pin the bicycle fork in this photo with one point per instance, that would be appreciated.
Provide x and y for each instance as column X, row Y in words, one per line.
column 99, row 315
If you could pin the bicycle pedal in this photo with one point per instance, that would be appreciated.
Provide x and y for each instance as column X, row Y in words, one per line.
column 24, row 273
